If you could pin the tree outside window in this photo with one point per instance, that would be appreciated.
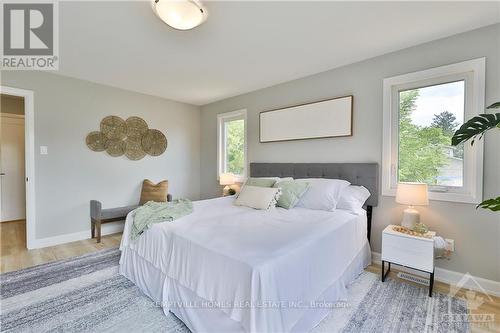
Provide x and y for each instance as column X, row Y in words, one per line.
column 235, row 146
column 425, row 150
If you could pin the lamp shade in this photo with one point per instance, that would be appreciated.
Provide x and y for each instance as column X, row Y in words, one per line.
column 412, row 194
column 226, row 179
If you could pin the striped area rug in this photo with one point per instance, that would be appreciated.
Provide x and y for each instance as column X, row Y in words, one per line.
column 82, row 294
column 86, row 294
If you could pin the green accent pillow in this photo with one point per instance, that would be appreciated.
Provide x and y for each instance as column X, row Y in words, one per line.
column 260, row 182
column 291, row 192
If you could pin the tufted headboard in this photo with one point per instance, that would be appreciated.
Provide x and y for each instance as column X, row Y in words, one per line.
column 365, row 174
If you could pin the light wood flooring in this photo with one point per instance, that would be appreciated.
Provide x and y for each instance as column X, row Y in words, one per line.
column 15, row 256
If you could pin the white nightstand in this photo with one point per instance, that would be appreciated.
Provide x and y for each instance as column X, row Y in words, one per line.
column 409, row 251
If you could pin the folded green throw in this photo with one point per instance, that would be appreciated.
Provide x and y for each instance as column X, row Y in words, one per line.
column 155, row 212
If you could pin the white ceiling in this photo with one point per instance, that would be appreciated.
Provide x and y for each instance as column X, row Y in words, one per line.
column 244, row 46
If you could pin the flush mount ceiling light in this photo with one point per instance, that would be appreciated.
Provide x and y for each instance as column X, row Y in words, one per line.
column 180, row 14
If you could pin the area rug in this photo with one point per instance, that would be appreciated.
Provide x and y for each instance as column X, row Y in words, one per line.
column 86, row 294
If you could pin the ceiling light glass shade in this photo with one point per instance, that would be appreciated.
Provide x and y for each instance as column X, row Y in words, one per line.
column 180, row 14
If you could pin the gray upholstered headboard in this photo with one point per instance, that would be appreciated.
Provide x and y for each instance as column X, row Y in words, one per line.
column 365, row 174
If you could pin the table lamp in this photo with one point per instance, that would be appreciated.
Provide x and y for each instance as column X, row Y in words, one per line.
column 226, row 179
column 411, row 194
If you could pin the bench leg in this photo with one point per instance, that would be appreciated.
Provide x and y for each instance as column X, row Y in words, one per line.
column 98, row 230
column 92, row 228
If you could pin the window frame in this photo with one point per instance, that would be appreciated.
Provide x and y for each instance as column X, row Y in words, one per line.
column 473, row 73
column 222, row 118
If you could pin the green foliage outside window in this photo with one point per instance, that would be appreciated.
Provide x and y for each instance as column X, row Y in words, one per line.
column 235, row 146
column 446, row 121
column 421, row 148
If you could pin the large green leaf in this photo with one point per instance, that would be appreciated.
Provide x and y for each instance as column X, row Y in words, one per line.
column 491, row 204
column 474, row 127
column 494, row 106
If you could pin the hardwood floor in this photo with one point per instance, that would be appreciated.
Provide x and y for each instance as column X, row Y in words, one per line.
column 15, row 256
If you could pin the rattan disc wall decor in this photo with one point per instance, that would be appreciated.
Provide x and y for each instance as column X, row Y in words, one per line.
column 136, row 128
column 131, row 137
column 115, row 147
column 134, row 151
column 154, row 142
column 96, row 141
column 114, row 128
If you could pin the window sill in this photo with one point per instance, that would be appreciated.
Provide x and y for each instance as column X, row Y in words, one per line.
column 443, row 196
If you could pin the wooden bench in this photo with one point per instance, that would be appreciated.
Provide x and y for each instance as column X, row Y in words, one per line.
column 99, row 216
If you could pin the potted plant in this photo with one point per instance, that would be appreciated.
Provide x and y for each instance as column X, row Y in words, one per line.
column 474, row 129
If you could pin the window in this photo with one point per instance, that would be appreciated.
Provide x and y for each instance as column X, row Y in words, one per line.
column 232, row 143
column 422, row 111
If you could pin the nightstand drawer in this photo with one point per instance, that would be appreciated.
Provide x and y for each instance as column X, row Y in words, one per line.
column 408, row 251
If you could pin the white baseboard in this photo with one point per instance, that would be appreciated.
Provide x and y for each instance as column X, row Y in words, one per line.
column 106, row 229
column 465, row 280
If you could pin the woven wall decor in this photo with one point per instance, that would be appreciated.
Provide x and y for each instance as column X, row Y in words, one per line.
column 154, row 142
column 114, row 127
column 96, row 141
column 131, row 137
column 115, row 147
column 136, row 128
column 133, row 150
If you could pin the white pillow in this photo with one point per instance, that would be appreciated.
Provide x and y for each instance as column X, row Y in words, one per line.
column 258, row 197
column 352, row 198
column 276, row 179
column 323, row 194
column 285, row 179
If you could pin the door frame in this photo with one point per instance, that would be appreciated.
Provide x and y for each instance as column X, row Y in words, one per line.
column 18, row 121
column 29, row 149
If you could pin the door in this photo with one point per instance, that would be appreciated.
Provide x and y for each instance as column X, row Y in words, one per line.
column 12, row 170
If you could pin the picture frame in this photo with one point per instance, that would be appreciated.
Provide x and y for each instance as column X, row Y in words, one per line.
column 329, row 118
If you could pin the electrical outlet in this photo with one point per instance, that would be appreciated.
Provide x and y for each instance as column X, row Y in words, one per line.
column 450, row 244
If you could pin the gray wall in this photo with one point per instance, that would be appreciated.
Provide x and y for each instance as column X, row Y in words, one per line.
column 66, row 110
column 476, row 232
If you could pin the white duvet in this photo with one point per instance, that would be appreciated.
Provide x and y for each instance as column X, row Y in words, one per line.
column 263, row 267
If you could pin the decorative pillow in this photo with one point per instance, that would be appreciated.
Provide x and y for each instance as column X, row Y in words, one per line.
column 323, row 194
column 258, row 197
column 284, row 179
column 153, row 192
column 261, row 181
column 291, row 192
column 353, row 198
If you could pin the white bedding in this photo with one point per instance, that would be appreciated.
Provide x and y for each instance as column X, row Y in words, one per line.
column 265, row 267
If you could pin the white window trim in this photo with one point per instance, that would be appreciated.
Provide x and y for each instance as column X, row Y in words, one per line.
column 474, row 72
column 221, row 118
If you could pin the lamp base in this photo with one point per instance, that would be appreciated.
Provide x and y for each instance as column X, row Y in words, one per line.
column 410, row 218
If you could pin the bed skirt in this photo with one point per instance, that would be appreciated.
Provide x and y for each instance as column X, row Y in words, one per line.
column 201, row 315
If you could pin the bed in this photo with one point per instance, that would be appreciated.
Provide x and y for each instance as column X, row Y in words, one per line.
column 226, row 268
